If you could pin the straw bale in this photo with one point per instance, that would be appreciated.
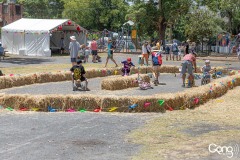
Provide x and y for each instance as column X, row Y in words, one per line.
column 2, row 82
column 36, row 102
column 121, row 103
column 55, row 101
column 44, row 77
column 59, row 76
column 14, row 101
column 87, row 102
column 122, row 82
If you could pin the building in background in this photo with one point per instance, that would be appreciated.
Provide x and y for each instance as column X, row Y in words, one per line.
column 10, row 12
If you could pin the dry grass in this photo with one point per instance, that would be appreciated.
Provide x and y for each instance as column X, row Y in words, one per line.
column 48, row 68
column 187, row 134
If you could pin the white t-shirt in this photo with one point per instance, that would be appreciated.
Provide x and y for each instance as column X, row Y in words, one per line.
column 144, row 49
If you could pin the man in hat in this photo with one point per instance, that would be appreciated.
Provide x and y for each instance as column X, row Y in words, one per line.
column 74, row 47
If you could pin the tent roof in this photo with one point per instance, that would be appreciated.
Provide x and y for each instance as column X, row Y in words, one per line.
column 34, row 25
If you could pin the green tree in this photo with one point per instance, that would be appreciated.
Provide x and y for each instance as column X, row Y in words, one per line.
column 42, row 8
column 166, row 14
column 229, row 9
column 202, row 23
column 96, row 14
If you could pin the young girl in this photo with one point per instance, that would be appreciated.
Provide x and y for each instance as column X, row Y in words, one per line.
column 86, row 54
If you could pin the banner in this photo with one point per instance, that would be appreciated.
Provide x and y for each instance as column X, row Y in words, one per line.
column 134, row 34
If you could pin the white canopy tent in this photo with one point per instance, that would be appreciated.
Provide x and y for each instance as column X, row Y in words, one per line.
column 32, row 37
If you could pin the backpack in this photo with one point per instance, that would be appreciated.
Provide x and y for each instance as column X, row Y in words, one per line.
column 157, row 58
column 175, row 48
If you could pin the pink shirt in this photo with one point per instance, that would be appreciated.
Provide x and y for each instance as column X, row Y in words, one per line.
column 189, row 57
column 93, row 45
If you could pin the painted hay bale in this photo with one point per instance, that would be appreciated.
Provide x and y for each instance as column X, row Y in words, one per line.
column 147, row 104
column 55, row 101
column 78, row 102
column 120, row 102
column 14, row 101
column 122, row 82
column 35, row 102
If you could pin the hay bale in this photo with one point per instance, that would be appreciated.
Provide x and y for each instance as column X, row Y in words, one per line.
column 122, row 82
column 2, row 82
column 87, row 102
column 14, row 101
column 121, row 103
column 55, row 101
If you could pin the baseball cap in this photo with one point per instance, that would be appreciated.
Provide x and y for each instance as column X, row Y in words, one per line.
column 79, row 61
column 129, row 59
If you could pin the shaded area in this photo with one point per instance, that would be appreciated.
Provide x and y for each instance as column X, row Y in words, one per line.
column 24, row 61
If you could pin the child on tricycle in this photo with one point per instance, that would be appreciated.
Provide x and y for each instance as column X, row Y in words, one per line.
column 127, row 67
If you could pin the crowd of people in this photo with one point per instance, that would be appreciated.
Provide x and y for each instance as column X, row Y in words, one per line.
column 173, row 51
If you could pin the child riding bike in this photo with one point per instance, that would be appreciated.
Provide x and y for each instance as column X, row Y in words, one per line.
column 206, row 69
column 78, row 76
column 127, row 67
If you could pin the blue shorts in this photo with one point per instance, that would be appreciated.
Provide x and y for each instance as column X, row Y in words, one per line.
column 73, row 59
column 187, row 67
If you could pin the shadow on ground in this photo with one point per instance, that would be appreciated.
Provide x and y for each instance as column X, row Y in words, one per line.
column 25, row 61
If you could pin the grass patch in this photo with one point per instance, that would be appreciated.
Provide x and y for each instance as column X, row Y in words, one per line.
column 49, row 68
column 169, row 136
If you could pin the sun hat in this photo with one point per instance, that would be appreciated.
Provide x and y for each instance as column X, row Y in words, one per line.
column 207, row 61
column 73, row 38
column 129, row 59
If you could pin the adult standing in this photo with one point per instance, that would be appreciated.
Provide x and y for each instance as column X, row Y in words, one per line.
column 175, row 50
column 110, row 53
column 94, row 48
column 74, row 47
column 149, row 49
column 144, row 54
column 189, row 61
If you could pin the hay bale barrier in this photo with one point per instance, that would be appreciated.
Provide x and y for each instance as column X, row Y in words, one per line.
column 122, row 82
column 156, row 103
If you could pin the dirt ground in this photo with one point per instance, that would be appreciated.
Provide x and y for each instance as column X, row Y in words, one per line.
column 187, row 134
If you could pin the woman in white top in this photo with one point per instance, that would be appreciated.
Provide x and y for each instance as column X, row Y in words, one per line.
column 144, row 53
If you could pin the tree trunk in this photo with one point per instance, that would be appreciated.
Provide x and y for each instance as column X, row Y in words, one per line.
column 202, row 44
column 162, row 30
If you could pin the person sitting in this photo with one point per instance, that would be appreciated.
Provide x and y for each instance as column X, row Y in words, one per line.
column 206, row 69
column 78, row 76
column 127, row 66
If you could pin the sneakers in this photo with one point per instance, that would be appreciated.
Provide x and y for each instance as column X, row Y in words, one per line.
column 155, row 82
column 183, row 85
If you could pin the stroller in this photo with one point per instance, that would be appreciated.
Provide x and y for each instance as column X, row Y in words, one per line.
column 98, row 58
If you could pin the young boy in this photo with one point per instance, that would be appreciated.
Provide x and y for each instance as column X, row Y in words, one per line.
column 156, row 62
column 127, row 66
column 206, row 69
column 78, row 75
